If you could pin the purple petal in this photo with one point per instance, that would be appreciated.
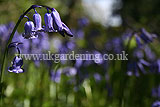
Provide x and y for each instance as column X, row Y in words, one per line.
column 48, row 22
column 57, row 23
column 67, row 30
column 37, row 21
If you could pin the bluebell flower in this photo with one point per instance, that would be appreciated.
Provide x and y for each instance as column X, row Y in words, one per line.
column 78, row 62
column 16, row 65
column 37, row 21
column 97, row 77
column 83, row 21
column 117, row 45
column 80, row 34
column 149, row 54
column 57, row 23
column 141, row 64
column 56, row 76
column 70, row 71
column 156, row 92
column 156, row 104
column 138, row 53
column 70, row 45
column 155, row 66
column 146, row 36
column 141, row 67
column 49, row 23
column 29, row 30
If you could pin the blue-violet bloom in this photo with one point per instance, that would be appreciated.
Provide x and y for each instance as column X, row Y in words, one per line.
column 16, row 65
column 37, row 21
column 49, row 23
column 156, row 104
column 57, row 23
column 29, row 30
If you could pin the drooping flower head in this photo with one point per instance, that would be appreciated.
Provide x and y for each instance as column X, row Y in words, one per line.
column 56, row 76
column 17, row 61
column 57, row 23
column 83, row 21
column 29, row 30
column 16, row 65
column 156, row 104
column 37, row 21
column 48, row 22
column 69, row 71
column 146, row 36
column 97, row 77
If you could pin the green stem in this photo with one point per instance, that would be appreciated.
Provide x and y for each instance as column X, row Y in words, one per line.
column 8, row 42
column 12, row 35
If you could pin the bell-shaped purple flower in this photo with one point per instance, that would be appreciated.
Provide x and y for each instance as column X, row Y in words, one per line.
column 97, row 77
column 57, row 23
column 49, row 23
column 156, row 104
column 29, row 30
column 56, row 76
column 37, row 21
column 70, row 71
column 146, row 36
column 16, row 65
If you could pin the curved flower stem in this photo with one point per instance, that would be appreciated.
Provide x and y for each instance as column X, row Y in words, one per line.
column 9, row 41
column 12, row 35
